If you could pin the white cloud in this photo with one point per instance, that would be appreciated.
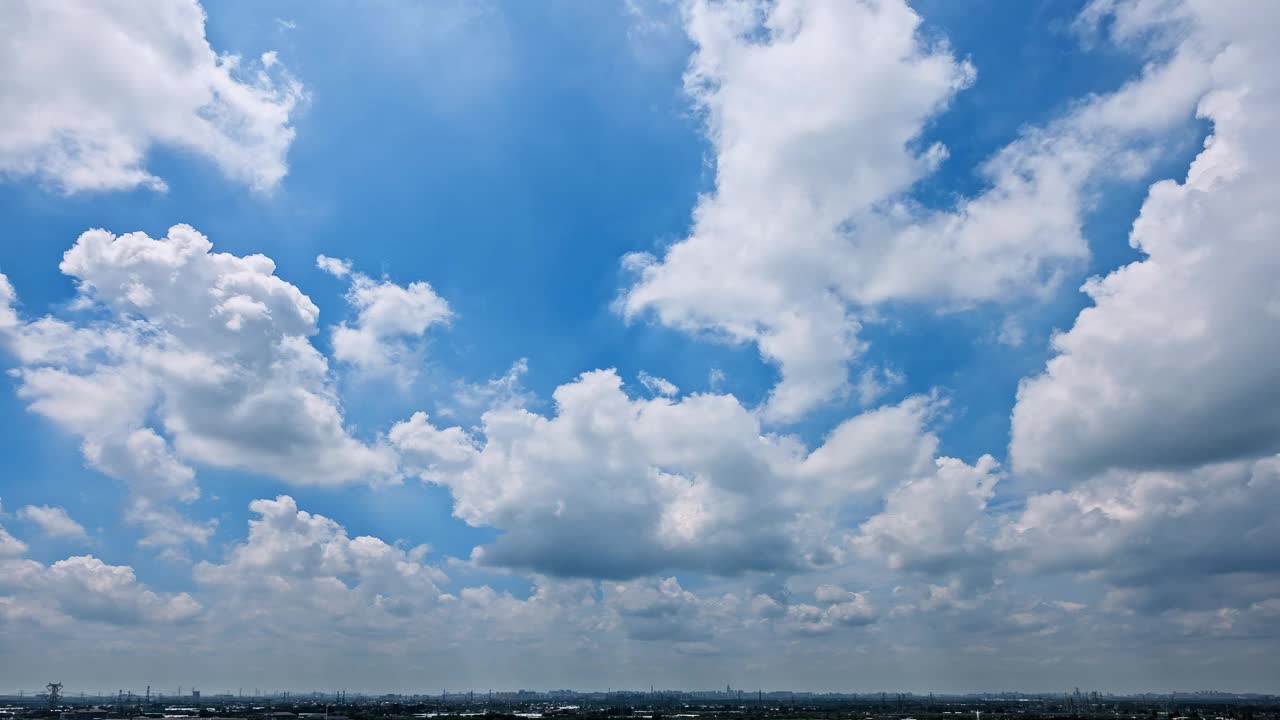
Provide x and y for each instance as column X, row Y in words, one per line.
column 566, row 610
column 387, row 317
column 933, row 524
column 828, row 80
column 10, row 546
column 658, row 385
column 299, row 571
column 337, row 267
column 85, row 589
column 429, row 451
column 1178, row 537
column 505, row 391
column 1157, row 416
column 195, row 357
column 303, row 576
column 836, row 608
column 91, row 89
column 657, row 609
column 618, row 487
column 1172, row 365
column 873, row 383
column 814, row 111
column 8, row 299
column 53, row 521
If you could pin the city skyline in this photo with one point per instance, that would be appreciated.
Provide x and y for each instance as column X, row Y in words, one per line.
column 157, row 695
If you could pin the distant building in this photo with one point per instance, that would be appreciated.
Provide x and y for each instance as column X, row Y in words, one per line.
column 84, row 713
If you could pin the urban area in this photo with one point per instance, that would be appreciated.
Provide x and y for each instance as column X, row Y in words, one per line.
column 54, row 701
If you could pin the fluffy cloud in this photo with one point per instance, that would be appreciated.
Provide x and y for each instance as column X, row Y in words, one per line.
column 90, row 89
column 68, row 594
column 89, row 589
column 658, row 385
column 933, row 524
column 657, row 609
column 617, row 487
column 81, row 588
column 303, row 576
column 1172, row 365
column 1158, row 415
column 836, row 608
column 187, row 356
column 10, row 546
column 337, row 267
column 8, row 298
column 387, row 317
column 768, row 227
column 430, row 451
column 809, row 224
column 53, row 521
column 1156, row 420
column 1162, row 539
column 299, row 571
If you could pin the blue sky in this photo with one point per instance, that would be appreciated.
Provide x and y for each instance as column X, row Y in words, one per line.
column 516, row 157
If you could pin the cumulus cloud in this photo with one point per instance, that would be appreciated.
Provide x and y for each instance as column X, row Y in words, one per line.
column 10, row 546
column 89, row 589
column 1171, row 365
column 301, row 571
column 388, row 316
column 779, row 196
column 78, row 589
column 429, row 451
column 811, row 223
column 297, row 572
column 53, row 521
column 933, row 523
column 617, row 487
column 1163, row 539
column 814, row 620
column 657, row 609
column 184, row 356
column 85, row 589
column 91, row 89
column 837, row 608
column 1153, row 430
column 302, row 575
column 661, row 610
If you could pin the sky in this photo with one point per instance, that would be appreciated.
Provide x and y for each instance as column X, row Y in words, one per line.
column 847, row 345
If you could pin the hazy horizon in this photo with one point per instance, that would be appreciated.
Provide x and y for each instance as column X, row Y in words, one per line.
column 752, row 695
